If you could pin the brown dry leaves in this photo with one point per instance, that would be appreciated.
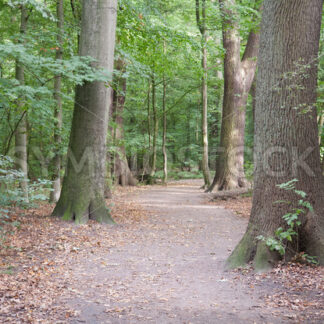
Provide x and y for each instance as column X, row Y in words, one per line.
column 35, row 262
column 292, row 291
column 241, row 206
column 122, row 209
column 297, row 291
column 39, row 267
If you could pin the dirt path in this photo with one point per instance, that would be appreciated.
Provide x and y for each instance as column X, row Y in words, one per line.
column 168, row 269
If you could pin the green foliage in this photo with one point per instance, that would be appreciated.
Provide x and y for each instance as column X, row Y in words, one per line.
column 12, row 196
column 283, row 236
column 180, row 175
column 10, row 192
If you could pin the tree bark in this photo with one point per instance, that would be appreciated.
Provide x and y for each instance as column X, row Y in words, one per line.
column 149, row 114
column 21, row 131
column 165, row 156
column 55, row 194
column 286, row 132
column 155, row 127
column 122, row 173
column 320, row 126
column 201, row 22
column 238, row 77
column 82, row 196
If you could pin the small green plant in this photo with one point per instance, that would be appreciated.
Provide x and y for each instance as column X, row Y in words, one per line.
column 283, row 236
column 11, row 194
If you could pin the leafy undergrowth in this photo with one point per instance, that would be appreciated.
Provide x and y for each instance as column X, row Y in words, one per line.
column 35, row 258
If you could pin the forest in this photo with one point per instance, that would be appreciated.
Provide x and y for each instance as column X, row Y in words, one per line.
column 161, row 161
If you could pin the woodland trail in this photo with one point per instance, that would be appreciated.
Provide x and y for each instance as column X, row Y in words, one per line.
column 169, row 269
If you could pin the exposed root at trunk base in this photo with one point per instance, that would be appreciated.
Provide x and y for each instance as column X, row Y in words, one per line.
column 226, row 184
column 249, row 249
column 231, row 194
column 82, row 210
column 310, row 240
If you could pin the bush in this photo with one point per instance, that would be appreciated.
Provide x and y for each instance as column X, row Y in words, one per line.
column 11, row 194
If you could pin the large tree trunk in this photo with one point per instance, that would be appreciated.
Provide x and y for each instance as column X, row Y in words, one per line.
column 21, row 131
column 122, row 173
column 201, row 22
column 55, row 194
column 286, row 133
column 82, row 196
column 238, row 77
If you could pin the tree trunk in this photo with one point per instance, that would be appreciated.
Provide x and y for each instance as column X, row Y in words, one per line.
column 165, row 156
column 155, row 126
column 286, row 132
column 122, row 173
column 253, row 95
column 21, row 131
column 320, row 126
column 201, row 22
column 149, row 113
column 82, row 195
column 55, row 194
column 238, row 77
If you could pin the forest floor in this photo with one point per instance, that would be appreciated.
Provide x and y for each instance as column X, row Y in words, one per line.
column 162, row 263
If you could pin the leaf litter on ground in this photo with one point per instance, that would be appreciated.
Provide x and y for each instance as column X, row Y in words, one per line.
column 39, row 256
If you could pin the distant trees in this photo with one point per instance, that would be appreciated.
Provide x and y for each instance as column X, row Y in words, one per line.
column 286, row 134
column 179, row 95
column 121, row 172
column 82, row 195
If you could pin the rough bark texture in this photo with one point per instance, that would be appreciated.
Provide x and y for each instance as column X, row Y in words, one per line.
column 21, row 131
column 238, row 77
column 55, row 194
column 201, row 22
column 122, row 173
column 82, row 195
column 286, row 132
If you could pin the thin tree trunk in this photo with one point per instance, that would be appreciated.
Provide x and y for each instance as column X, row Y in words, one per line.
column 155, row 126
column 320, row 126
column 77, row 17
column 201, row 22
column 165, row 156
column 188, row 141
column 205, row 159
column 253, row 95
column 238, row 77
column 197, row 122
column 82, row 196
column 149, row 113
column 286, row 137
column 55, row 194
column 21, row 131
